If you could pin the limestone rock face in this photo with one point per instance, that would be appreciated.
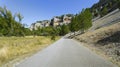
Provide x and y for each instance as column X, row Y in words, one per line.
column 55, row 21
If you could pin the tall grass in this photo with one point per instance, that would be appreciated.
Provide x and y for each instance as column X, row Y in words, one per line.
column 15, row 47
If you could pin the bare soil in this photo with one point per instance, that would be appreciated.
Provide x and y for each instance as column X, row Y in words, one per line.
column 105, row 40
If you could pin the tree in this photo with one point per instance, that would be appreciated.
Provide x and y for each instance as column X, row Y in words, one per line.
column 6, row 21
column 53, row 33
column 20, row 17
column 74, row 26
column 64, row 30
column 104, row 11
column 8, row 24
column 82, row 21
column 86, row 19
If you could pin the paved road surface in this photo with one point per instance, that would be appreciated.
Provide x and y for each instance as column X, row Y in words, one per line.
column 65, row 53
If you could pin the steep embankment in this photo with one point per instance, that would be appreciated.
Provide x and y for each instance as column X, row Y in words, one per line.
column 109, row 19
column 106, row 40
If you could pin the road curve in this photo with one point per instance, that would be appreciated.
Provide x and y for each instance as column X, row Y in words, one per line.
column 65, row 53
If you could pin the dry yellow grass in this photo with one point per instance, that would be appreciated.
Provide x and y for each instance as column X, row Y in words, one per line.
column 90, row 39
column 16, row 47
column 3, row 54
column 94, row 36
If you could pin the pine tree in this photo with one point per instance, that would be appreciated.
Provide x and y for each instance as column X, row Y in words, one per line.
column 104, row 11
column 85, row 19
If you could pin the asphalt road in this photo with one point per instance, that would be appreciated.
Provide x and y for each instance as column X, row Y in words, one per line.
column 65, row 53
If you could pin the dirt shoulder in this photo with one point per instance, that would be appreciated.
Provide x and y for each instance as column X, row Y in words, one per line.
column 104, row 41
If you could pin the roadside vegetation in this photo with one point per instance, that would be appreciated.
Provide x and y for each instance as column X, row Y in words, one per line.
column 104, row 41
column 14, row 42
column 82, row 21
column 12, row 48
column 17, row 41
column 10, row 24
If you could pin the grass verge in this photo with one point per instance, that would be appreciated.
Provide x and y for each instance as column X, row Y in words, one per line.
column 12, row 48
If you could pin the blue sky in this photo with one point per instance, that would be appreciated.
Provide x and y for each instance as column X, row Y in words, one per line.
column 34, row 10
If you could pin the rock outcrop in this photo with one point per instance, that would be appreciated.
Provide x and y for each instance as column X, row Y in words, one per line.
column 55, row 21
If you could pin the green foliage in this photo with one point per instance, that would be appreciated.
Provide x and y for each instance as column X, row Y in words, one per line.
column 82, row 21
column 104, row 6
column 104, row 11
column 86, row 19
column 74, row 25
column 8, row 24
column 53, row 37
column 52, row 31
column 64, row 30
column 20, row 17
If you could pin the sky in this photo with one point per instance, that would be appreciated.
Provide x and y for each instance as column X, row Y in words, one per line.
column 38, row 10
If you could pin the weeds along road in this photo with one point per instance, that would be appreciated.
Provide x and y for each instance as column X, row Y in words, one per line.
column 65, row 53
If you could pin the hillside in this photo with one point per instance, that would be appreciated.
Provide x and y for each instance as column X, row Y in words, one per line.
column 109, row 19
column 105, row 40
column 104, row 6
